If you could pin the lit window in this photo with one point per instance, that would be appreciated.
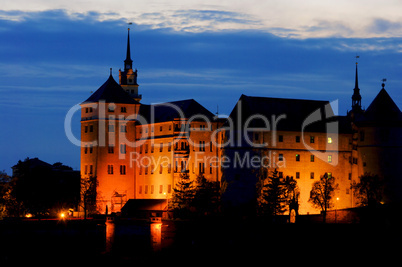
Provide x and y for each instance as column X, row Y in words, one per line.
column 311, row 158
column 329, row 140
column 312, row 139
column 329, row 158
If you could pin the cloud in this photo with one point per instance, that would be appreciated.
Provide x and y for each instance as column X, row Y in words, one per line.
column 287, row 18
column 385, row 27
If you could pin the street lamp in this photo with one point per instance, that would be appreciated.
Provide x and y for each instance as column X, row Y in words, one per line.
column 336, row 206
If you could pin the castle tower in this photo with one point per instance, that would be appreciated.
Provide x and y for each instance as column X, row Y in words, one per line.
column 107, row 138
column 128, row 77
column 380, row 144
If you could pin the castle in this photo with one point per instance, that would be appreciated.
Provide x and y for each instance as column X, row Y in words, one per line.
column 138, row 151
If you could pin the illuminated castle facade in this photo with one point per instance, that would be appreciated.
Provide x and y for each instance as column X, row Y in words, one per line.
column 139, row 151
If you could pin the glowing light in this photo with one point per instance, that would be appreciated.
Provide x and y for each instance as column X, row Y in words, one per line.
column 62, row 215
column 28, row 215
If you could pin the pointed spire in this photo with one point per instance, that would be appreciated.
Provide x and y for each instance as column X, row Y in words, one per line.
column 356, row 80
column 356, row 97
column 128, row 63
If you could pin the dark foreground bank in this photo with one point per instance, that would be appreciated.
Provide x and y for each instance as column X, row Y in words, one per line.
column 187, row 243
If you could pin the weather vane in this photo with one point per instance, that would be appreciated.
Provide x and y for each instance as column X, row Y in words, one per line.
column 383, row 83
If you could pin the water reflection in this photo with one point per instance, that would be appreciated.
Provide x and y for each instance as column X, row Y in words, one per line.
column 110, row 233
column 126, row 235
column 156, row 236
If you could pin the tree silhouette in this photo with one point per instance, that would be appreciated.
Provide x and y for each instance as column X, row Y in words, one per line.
column 322, row 193
column 183, row 194
column 88, row 194
column 273, row 198
column 206, row 196
column 369, row 190
column 292, row 194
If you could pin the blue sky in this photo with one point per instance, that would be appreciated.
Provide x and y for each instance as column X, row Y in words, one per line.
column 53, row 55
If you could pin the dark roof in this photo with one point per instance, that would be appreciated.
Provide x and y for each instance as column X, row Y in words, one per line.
column 383, row 108
column 294, row 112
column 169, row 111
column 133, row 205
column 111, row 92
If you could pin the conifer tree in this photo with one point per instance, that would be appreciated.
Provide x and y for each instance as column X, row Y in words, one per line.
column 206, row 196
column 183, row 194
column 273, row 196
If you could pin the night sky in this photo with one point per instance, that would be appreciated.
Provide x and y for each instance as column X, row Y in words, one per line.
column 52, row 55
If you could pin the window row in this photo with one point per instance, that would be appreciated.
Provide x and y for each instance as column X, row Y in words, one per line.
column 179, row 146
column 297, row 139
column 110, row 169
column 123, row 128
column 111, row 108
column 178, row 167
column 297, row 158
column 177, row 128
column 150, row 189
column 88, row 128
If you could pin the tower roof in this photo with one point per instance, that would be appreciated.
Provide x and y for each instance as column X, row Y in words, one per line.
column 383, row 108
column 111, row 92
